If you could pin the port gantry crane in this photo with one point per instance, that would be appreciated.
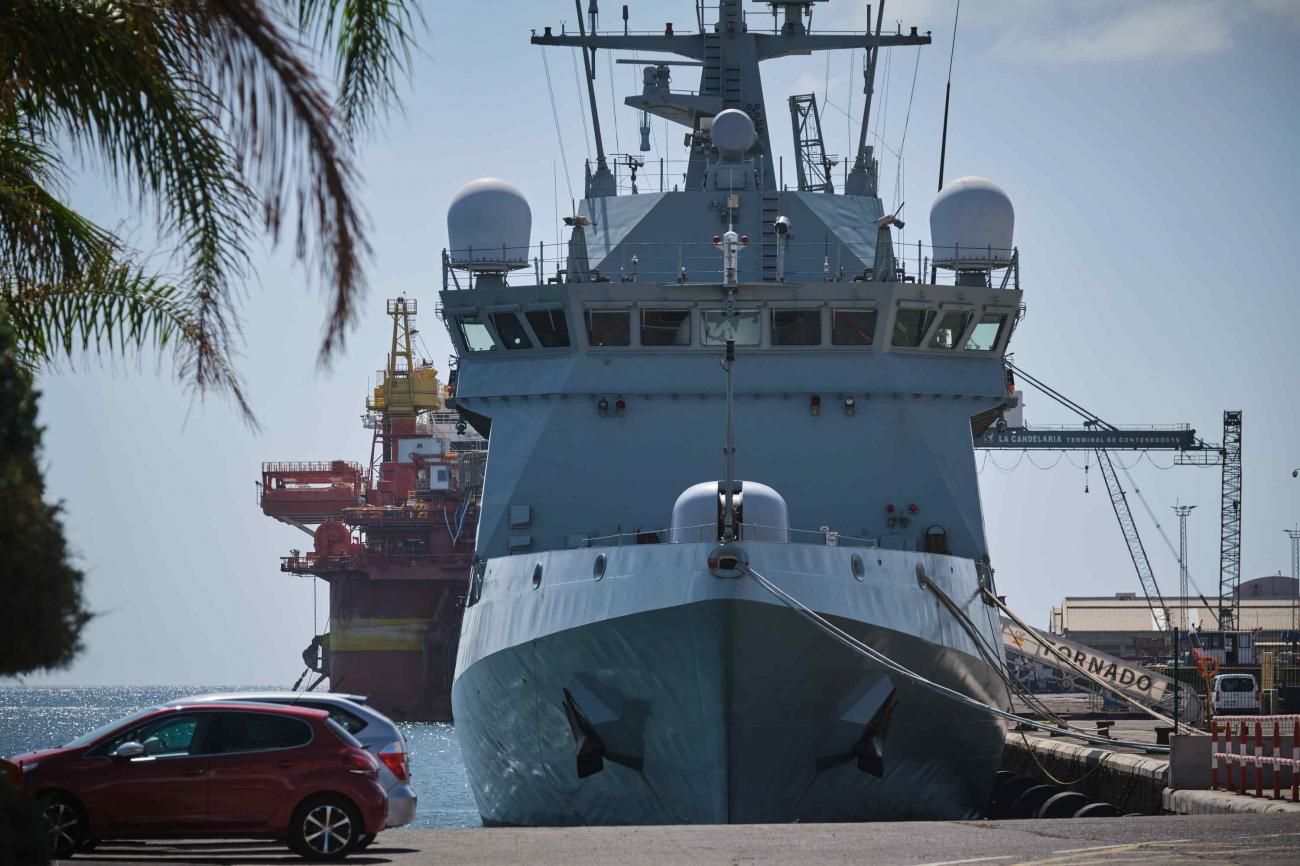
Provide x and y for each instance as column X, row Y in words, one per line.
column 1100, row 438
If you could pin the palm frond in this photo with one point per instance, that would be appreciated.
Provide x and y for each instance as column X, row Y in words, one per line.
column 372, row 44
column 115, row 308
column 206, row 109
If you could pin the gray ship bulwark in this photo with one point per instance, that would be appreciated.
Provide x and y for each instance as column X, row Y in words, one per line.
column 719, row 703
column 605, row 674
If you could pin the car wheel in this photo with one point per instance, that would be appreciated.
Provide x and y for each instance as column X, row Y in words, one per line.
column 364, row 842
column 327, row 827
column 65, row 825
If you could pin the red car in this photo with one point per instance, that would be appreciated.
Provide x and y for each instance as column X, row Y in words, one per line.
column 212, row 770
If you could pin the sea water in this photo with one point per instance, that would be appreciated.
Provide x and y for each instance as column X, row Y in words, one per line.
column 38, row 717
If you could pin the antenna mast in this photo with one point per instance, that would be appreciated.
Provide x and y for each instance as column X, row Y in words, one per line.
column 603, row 182
column 729, row 448
column 947, row 95
column 858, row 183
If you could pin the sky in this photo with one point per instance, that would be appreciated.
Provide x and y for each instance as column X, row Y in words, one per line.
column 1148, row 149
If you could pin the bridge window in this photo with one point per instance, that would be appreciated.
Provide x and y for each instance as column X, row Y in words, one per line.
column 608, row 328
column 511, row 331
column 987, row 333
column 474, row 334
column 951, row 327
column 719, row 326
column 853, row 327
column 796, row 327
column 665, row 327
column 910, row 327
column 550, row 327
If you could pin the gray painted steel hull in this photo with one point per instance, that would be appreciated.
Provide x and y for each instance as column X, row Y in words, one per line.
column 728, row 703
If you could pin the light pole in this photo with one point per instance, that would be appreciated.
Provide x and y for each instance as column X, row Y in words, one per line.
column 1294, row 534
column 1182, row 511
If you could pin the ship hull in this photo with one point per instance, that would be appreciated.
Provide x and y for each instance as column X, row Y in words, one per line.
column 395, row 642
column 714, row 702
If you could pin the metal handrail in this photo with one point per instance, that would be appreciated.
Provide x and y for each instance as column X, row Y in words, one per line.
column 828, row 537
column 699, row 262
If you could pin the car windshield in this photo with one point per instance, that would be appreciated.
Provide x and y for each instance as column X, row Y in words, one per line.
column 102, row 730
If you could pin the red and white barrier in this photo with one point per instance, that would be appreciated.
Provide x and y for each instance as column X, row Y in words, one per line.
column 1237, row 751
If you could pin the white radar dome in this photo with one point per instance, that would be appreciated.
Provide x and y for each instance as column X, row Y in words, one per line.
column 733, row 134
column 972, row 224
column 489, row 225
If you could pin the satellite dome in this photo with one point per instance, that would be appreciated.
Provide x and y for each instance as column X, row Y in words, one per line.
column 972, row 225
column 489, row 225
column 733, row 134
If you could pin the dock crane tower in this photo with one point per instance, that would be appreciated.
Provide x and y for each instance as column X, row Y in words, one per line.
column 1100, row 438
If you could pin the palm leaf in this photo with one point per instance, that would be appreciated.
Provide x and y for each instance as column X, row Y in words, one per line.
column 372, row 44
column 114, row 309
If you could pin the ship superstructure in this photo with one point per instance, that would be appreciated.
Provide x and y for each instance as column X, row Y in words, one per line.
column 393, row 538
column 626, row 654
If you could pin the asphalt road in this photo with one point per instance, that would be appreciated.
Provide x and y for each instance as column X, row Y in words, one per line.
column 1151, row 841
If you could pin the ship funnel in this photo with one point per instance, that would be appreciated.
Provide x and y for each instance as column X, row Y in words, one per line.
column 733, row 134
column 972, row 225
column 489, row 225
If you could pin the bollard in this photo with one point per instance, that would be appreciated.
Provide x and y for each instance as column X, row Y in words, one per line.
column 1259, row 760
column 1277, row 756
column 1242, row 734
column 1227, row 754
column 1214, row 755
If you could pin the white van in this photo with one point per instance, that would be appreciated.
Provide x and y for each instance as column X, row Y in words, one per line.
column 1235, row 694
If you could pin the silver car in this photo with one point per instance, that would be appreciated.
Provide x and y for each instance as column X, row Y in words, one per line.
column 375, row 731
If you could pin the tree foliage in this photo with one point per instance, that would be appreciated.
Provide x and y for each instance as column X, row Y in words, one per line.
column 210, row 116
column 42, row 614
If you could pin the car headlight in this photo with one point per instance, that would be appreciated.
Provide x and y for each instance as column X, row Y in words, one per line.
column 27, row 768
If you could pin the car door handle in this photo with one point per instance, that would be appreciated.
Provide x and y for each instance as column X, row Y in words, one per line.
column 192, row 772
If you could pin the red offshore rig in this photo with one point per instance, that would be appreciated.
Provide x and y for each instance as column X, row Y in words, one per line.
column 394, row 540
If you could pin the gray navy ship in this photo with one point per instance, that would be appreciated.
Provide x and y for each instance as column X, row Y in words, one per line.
column 731, row 556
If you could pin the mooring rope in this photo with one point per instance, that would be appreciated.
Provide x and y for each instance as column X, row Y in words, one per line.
column 880, row 658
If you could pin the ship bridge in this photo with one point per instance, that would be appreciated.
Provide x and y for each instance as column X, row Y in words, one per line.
column 863, row 364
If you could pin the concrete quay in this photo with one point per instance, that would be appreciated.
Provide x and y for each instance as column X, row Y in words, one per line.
column 1152, row 841
column 1134, row 781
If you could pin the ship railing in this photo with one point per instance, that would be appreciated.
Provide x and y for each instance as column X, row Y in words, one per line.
column 329, row 466
column 311, row 563
column 701, row 262
column 708, row 532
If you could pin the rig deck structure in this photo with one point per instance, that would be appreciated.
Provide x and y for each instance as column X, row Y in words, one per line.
column 393, row 540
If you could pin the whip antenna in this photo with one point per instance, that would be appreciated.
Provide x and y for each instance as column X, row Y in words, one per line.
column 947, row 95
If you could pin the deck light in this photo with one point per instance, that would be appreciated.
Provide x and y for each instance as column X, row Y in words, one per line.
column 850, row 405
column 815, row 404
column 913, row 508
column 717, row 239
column 603, row 406
column 889, row 509
column 620, row 406
column 744, row 239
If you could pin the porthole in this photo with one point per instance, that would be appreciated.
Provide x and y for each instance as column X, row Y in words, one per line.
column 859, row 570
column 598, row 567
column 537, row 575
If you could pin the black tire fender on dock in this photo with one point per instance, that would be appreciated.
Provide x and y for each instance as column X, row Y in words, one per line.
column 1028, row 803
column 1097, row 810
column 1007, row 793
column 1062, row 805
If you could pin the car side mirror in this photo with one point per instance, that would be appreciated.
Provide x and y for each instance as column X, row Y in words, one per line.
column 127, row 750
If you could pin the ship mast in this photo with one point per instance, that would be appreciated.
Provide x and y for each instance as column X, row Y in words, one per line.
column 728, row 57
